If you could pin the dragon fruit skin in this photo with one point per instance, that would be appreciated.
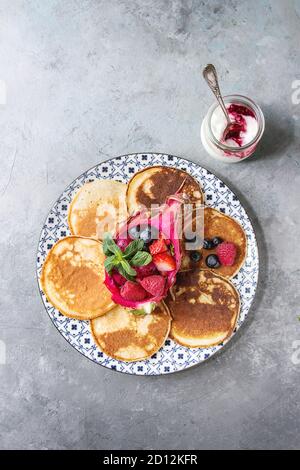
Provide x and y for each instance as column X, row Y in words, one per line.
column 166, row 221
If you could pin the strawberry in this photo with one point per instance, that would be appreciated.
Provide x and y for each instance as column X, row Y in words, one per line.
column 164, row 261
column 158, row 246
column 132, row 291
column 163, row 236
column 144, row 271
column 155, row 284
column 226, row 252
column 118, row 278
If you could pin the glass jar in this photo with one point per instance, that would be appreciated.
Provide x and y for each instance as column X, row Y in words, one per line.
column 220, row 148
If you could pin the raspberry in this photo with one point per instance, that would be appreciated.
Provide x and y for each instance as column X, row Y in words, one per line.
column 144, row 271
column 226, row 252
column 123, row 243
column 118, row 278
column 155, row 284
column 132, row 291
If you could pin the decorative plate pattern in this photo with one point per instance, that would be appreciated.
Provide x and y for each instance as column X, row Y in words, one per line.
column 172, row 357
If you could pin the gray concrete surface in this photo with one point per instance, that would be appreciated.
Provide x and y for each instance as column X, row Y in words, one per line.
column 86, row 80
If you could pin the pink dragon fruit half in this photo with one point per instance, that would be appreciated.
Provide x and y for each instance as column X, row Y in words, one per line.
column 166, row 220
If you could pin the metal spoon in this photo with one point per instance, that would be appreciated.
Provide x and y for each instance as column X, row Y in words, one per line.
column 210, row 76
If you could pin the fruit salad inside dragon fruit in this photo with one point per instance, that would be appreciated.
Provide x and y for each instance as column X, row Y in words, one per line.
column 144, row 256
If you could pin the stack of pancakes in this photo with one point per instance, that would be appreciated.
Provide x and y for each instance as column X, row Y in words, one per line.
column 202, row 308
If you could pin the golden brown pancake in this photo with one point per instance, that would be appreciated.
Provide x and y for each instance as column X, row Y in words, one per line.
column 204, row 310
column 72, row 278
column 220, row 225
column 97, row 208
column 129, row 337
column 154, row 184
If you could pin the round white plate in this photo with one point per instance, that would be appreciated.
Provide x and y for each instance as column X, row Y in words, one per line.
column 172, row 357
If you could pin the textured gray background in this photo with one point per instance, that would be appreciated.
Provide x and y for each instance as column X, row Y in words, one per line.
column 88, row 80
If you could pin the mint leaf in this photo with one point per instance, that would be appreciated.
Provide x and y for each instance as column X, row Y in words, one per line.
column 133, row 248
column 145, row 310
column 109, row 263
column 124, row 273
column 110, row 247
column 138, row 311
column 127, row 268
column 107, row 238
column 141, row 258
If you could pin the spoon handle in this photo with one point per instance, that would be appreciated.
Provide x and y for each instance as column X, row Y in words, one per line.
column 210, row 76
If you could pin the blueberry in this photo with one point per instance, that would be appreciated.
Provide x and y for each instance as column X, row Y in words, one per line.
column 212, row 261
column 207, row 244
column 195, row 256
column 134, row 232
column 145, row 234
column 216, row 241
column 149, row 233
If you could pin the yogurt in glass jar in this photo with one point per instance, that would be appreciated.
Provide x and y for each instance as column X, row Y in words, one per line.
column 241, row 139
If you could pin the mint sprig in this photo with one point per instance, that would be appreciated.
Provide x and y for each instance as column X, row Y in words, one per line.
column 133, row 255
column 133, row 248
column 141, row 258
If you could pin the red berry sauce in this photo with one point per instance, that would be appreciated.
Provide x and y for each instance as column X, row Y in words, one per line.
column 237, row 113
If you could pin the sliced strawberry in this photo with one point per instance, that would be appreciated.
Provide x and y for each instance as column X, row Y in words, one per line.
column 144, row 271
column 155, row 284
column 164, row 262
column 158, row 246
column 132, row 291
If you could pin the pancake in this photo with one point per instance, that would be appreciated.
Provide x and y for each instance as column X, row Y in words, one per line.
column 72, row 278
column 129, row 337
column 154, row 184
column 97, row 208
column 204, row 309
column 220, row 225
